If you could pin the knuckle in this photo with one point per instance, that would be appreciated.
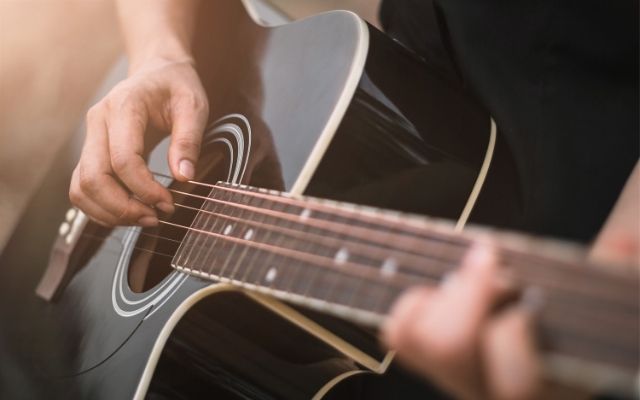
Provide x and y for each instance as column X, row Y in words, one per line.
column 147, row 197
column 125, row 211
column 194, row 101
column 120, row 161
column 75, row 195
column 86, row 181
column 94, row 113
column 187, row 145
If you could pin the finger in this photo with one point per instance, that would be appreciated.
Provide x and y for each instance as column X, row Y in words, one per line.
column 127, row 125
column 402, row 315
column 189, row 116
column 511, row 363
column 447, row 332
column 98, row 214
column 467, row 297
column 84, row 203
column 91, row 180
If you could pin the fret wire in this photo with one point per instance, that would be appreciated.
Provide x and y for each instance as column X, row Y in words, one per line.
column 312, row 277
column 255, row 265
column 331, row 254
column 247, row 264
column 205, row 221
column 316, row 286
column 282, row 267
column 258, row 269
column 235, row 227
column 292, row 274
column 192, row 238
column 184, row 249
column 303, row 275
column 376, row 297
column 210, row 224
column 253, row 255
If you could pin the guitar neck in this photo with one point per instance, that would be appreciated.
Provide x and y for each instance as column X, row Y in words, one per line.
column 354, row 261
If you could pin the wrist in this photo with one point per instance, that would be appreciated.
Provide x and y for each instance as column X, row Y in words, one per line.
column 158, row 52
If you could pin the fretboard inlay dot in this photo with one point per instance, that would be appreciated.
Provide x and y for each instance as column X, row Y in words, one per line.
column 389, row 267
column 305, row 214
column 341, row 256
column 271, row 275
column 248, row 234
column 227, row 229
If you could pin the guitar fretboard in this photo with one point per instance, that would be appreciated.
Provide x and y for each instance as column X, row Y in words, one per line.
column 342, row 260
column 355, row 261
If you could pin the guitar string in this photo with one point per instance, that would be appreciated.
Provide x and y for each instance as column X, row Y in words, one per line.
column 421, row 264
column 246, row 192
column 289, row 216
column 454, row 238
column 391, row 221
column 408, row 243
column 357, row 247
column 560, row 323
column 366, row 235
column 183, row 227
column 186, row 228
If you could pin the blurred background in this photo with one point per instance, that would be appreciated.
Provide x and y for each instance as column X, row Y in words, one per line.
column 54, row 56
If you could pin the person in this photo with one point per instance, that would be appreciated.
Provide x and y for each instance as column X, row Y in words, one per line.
column 564, row 95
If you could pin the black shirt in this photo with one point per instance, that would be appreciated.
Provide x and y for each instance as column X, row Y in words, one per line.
column 560, row 78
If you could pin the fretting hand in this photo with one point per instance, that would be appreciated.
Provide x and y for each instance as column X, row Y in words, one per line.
column 451, row 336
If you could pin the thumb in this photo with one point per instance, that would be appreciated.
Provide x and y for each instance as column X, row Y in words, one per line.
column 189, row 121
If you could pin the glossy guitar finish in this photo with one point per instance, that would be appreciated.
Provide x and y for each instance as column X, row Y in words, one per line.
column 327, row 106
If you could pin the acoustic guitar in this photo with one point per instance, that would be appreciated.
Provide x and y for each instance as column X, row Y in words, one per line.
column 256, row 288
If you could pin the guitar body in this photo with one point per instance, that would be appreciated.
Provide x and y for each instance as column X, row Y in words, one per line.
column 327, row 106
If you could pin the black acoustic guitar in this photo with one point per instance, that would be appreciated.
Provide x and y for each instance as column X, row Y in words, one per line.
column 266, row 293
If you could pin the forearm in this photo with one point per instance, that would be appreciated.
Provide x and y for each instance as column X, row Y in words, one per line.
column 157, row 29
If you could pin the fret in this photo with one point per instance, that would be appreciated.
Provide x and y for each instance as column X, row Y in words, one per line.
column 375, row 297
column 254, row 266
column 207, row 222
column 234, row 227
column 306, row 276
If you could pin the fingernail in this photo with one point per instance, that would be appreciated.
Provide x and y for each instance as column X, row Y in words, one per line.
column 186, row 169
column 165, row 207
column 148, row 221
